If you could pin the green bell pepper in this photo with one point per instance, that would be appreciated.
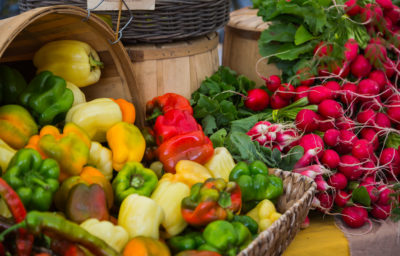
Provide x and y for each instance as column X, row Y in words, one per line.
column 249, row 222
column 47, row 98
column 133, row 178
column 35, row 180
column 255, row 182
column 189, row 241
column 12, row 83
column 226, row 238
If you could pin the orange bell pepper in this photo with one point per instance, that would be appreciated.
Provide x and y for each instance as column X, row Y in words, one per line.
column 127, row 109
column 145, row 246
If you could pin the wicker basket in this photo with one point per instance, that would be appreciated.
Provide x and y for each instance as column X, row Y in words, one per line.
column 294, row 204
column 171, row 20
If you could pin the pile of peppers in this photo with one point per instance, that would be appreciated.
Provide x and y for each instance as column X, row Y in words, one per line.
column 79, row 178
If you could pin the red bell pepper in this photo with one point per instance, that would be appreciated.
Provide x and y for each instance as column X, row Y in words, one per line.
column 162, row 104
column 195, row 146
column 174, row 122
column 212, row 200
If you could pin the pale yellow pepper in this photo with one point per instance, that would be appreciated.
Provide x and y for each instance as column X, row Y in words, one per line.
column 95, row 117
column 169, row 194
column 191, row 172
column 114, row 236
column 264, row 214
column 101, row 158
column 127, row 144
column 221, row 163
column 4, row 211
column 140, row 216
column 79, row 96
column 6, row 153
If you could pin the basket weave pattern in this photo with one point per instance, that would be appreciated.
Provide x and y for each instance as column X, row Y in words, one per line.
column 171, row 20
column 294, row 204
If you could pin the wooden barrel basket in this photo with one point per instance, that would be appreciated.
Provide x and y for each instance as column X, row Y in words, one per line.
column 240, row 50
column 178, row 67
column 23, row 35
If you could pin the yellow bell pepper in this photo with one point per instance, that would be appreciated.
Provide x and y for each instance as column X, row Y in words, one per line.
column 95, row 117
column 169, row 194
column 101, row 158
column 6, row 153
column 79, row 96
column 264, row 214
column 190, row 172
column 140, row 216
column 114, row 236
column 221, row 163
column 4, row 211
column 127, row 144
column 75, row 61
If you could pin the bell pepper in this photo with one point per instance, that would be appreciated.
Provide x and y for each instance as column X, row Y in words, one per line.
column 168, row 195
column 47, row 98
column 70, row 149
column 16, row 125
column 190, row 172
column 265, row 214
column 35, row 180
column 140, row 216
column 101, row 158
column 95, row 117
column 198, row 253
column 75, row 61
column 226, row 238
column 85, row 202
column 127, row 109
column 188, row 241
column 114, row 236
column 12, row 83
column 157, row 168
column 4, row 211
column 127, row 144
column 193, row 146
column 212, row 200
column 162, row 104
column 249, row 222
column 79, row 96
column 145, row 246
column 255, row 181
column 38, row 223
column 221, row 163
column 174, row 122
column 134, row 178
column 6, row 153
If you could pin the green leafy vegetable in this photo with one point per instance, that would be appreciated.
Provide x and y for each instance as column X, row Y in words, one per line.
column 360, row 195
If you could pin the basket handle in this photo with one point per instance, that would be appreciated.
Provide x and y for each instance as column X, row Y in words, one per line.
column 89, row 10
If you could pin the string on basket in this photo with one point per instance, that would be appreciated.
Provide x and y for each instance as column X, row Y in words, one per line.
column 89, row 10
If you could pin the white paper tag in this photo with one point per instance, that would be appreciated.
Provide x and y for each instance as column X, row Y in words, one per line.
column 111, row 5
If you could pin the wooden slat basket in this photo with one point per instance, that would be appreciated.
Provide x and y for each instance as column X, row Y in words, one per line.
column 23, row 35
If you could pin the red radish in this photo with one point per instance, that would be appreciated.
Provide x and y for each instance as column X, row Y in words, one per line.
column 259, row 128
column 330, row 108
column 307, row 120
column 371, row 12
column 360, row 67
column 385, row 4
column 379, row 77
column 305, row 76
column 389, row 68
column 370, row 135
column 285, row 91
column 345, row 123
column 273, row 83
column 319, row 93
column 333, row 67
column 388, row 23
column 384, row 194
column 381, row 211
column 257, row 99
column 366, row 117
column 334, row 86
column 372, row 192
column 376, row 54
column 394, row 113
column 342, row 198
column 278, row 102
column 301, row 92
column 350, row 167
column 393, row 14
column 354, row 216
column 346, row 141
column 351, row 49
column 394, row 99
column 325, row 202
column 338, row 181
column 362, row 149
column 312, row 142
column 348, row 93
column 381, row 120
column 324, row 125
column 330, row 158
column 390, row 158
column 352, row 8
column 387, row 91
column 323, row 49
column 374, row 104
column 331, row 137
column 368, row 87
column 305, row 224
column 321, row 183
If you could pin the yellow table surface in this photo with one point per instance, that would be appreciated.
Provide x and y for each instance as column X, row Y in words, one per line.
column 321, row 238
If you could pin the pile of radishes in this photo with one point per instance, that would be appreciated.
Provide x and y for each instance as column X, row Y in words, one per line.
column 358, row 107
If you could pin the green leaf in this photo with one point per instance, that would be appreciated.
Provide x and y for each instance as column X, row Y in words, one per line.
column 302, row 35
column 291, row 158
column 218, row 138
column 393, row 140
column 224, row 199
column 240, row 146
column 209, row 125
column 278, row 32
column 205, row 106
column 360, row 195
column 276, row 156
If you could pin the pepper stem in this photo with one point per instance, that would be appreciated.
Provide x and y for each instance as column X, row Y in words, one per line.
column 11, row 229
column 94, row 63
column 137, row 181
column 40, row 183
